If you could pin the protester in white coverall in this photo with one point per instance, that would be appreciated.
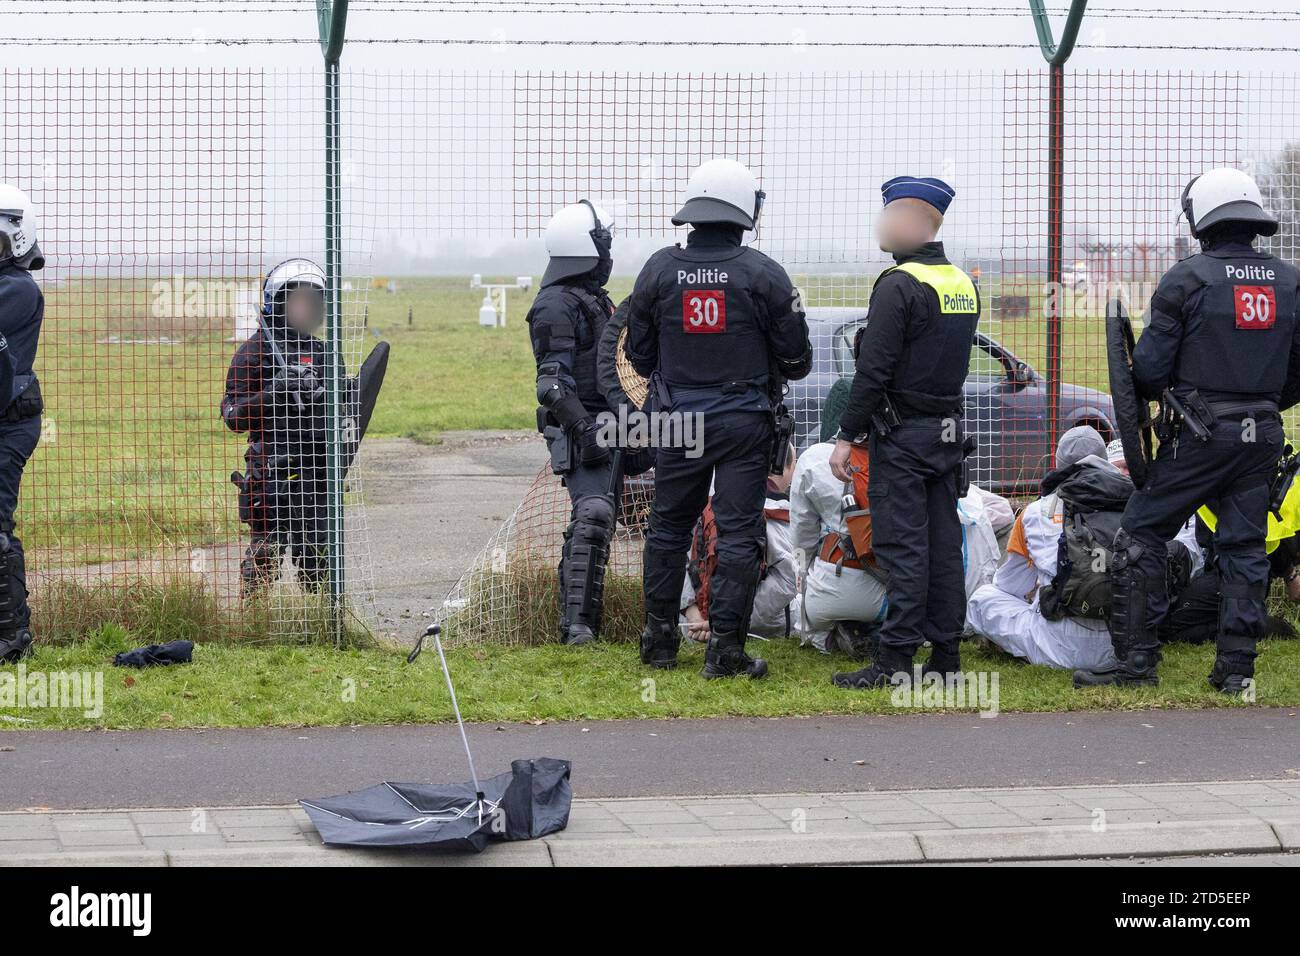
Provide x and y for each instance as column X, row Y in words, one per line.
column 772, row 615
column 838, row 591
column 1007, row 611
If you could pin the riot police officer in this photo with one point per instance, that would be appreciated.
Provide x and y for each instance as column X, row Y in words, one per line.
column 22, row 309
column 906, row 401
column 565, row 323
column 275, row 393
column 1222, row 351
column 717, row 326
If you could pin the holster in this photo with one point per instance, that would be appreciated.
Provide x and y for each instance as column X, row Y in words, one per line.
column 561, row 448
column 782, row 433
column 1190, row 410
column 27, row 404
column 968, row 448
column 885, row 419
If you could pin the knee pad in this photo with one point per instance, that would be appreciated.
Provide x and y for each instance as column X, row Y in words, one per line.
column 593, row 518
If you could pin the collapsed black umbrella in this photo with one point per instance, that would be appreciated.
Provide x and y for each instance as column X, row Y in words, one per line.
column 530, row 801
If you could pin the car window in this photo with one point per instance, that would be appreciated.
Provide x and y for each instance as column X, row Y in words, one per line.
column 984, row 364
column 844, row 348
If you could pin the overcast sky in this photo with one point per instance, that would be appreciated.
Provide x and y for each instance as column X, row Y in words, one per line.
column 826, row 146
column 295, row 18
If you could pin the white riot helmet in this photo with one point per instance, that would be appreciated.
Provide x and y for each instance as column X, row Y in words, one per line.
column 18, row 224
column 578, row 238
column 721, row 190
column 1225, row 195
column 284, row 278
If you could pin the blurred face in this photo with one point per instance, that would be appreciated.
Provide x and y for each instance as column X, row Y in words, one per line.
column 304, row 310
column 907, row 224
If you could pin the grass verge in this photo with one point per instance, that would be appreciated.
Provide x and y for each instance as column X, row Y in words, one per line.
column 276, row 685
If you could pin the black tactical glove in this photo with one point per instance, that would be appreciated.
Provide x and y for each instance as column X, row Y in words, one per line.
column 301, row 381
column 592, row 453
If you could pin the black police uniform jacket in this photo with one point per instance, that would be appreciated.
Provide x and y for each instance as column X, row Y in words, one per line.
column 564, row 324
column 22, row 310
column 911, row 352
column 712, row 319
column 1224, row 322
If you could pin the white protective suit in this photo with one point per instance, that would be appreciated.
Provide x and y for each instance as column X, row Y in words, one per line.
column 856, row 594
column 777, row 587
column 1007, row 612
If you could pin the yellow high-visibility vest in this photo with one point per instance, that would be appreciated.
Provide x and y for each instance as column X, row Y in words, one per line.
column 956, row 290
column 1278, row 531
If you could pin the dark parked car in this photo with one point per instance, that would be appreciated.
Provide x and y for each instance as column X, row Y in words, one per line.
column 1005, row 399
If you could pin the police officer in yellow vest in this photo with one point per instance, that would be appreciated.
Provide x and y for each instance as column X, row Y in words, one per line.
column 906, row 401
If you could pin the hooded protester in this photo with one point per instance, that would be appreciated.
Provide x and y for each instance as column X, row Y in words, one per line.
column 1051, row 611
column 22, row 310
column 275, row 393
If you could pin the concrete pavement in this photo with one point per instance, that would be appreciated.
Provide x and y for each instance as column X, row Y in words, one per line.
column 1257, row 818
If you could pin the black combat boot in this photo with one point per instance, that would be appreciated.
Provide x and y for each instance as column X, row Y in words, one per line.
column 945, row 660
column 660, row 640
column 726, row 657
column 15, row 647
column 1229, row 677
column 1137, row 648
column 863, row 640
column 1135, row 669
column 879, row 673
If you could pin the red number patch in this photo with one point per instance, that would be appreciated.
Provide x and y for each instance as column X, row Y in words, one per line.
column 1256, row 306
column 704, row 310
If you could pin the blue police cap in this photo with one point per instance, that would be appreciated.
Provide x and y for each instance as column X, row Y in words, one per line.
column 934, row 191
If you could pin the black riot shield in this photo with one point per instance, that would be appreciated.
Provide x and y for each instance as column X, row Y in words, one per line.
column 369, row 380
column 1132, row 412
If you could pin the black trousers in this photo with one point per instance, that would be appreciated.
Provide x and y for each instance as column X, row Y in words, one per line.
column 1230, row 472
column 916, row 533
column 734, row 456
column 284, row 514
column 17, row 442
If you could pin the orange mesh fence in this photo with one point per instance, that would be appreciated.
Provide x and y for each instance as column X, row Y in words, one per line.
column 166, row 195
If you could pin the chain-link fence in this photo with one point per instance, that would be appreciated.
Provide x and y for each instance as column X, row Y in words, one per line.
column 167, row 195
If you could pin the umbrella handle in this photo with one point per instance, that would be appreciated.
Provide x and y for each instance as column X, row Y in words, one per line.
column 433, row 631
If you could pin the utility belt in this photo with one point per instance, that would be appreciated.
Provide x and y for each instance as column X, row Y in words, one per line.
column 895, row 410
column 1200, row 416
column 27, row 405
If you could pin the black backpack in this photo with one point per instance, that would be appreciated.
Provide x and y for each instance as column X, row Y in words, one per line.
column 1093, row 500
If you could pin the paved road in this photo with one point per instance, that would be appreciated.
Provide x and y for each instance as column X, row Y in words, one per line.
column 177, row 768
column 430, row 508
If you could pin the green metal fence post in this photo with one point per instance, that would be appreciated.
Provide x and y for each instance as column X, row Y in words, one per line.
column 1056, row 55
column 332, row 22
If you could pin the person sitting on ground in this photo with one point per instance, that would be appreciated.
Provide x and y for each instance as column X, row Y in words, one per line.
column 772, row 615
column 1051, row 612
column 1194, row 614
column 842, row 592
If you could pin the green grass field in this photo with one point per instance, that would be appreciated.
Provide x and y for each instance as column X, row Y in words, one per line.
column 239, row 686
column 136, row 462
